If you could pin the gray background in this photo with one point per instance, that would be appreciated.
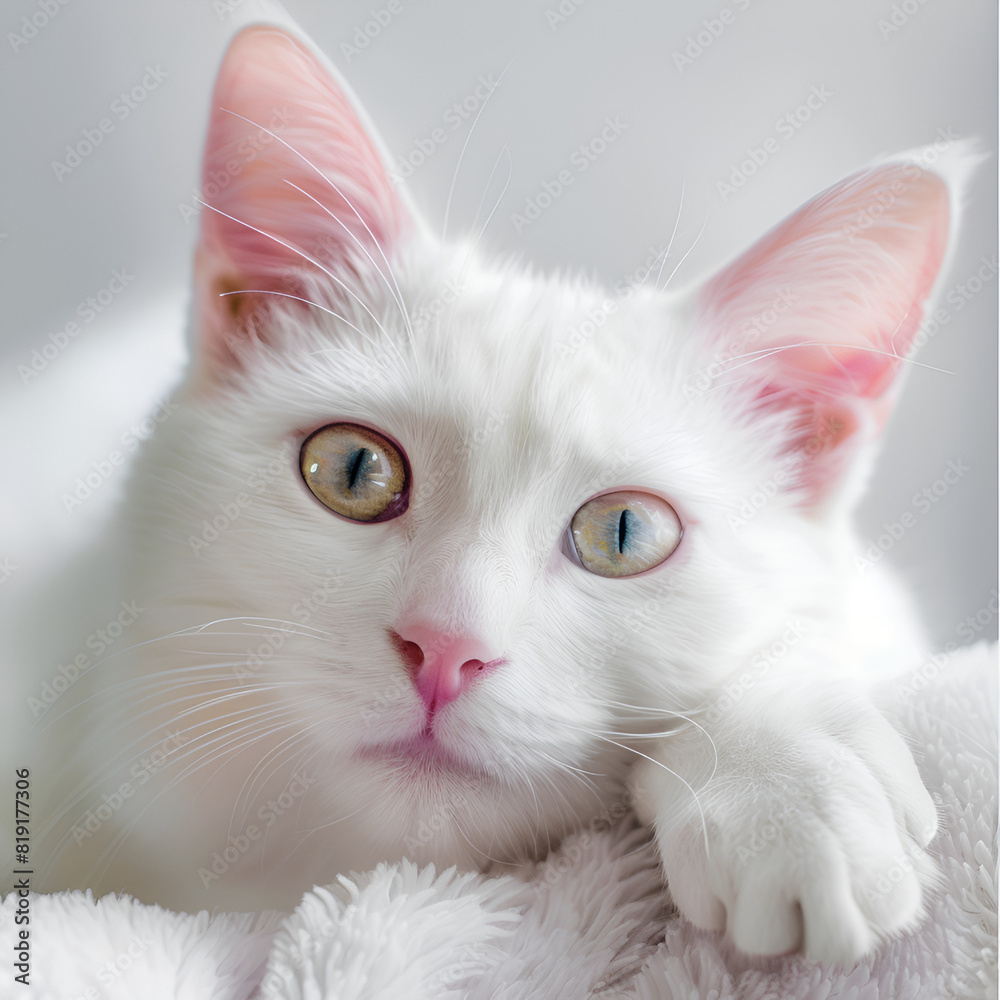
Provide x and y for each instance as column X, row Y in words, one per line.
column 120, row 208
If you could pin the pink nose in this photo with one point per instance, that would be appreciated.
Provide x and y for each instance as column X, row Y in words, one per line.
column 442, row 665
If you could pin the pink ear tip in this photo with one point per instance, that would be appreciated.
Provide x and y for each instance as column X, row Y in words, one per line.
column 260, row 44
column 916, row 200
column 292, row 179
column 826, row 305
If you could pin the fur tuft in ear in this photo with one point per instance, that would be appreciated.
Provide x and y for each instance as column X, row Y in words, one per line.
column 817, row 318
column 293, row 182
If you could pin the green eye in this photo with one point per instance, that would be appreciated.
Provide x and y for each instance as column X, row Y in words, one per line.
column 625, row 533
column 356, row 472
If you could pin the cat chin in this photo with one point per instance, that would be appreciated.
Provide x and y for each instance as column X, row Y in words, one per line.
column 201, row 843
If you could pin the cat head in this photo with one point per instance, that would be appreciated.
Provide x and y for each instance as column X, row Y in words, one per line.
column 452, row 529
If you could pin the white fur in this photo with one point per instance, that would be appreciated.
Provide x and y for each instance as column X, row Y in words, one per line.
column 508, row 429
column 590, row 921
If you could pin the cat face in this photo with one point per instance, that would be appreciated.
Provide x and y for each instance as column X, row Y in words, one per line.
column 505, row 441
column 459, row 566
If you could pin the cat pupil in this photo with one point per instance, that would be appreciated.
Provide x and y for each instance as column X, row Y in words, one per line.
column 359, row 461
column 622, row 530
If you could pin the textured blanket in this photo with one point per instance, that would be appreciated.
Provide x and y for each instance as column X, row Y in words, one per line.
column 590, row 921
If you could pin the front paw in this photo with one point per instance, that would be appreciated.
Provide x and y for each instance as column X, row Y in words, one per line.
column 806, row 843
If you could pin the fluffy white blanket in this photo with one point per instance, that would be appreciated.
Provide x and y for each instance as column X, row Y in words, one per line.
column 591, row 921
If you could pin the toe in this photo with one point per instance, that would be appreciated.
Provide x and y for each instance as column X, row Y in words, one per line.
column 836, row 930
column 764, row 921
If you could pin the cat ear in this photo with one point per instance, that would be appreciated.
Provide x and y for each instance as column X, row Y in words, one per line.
column 293, row 183
column 816, row 318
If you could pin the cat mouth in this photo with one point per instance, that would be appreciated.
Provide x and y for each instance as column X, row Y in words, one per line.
column 422, row 754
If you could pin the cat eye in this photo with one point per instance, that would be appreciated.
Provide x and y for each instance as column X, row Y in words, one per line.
column 356, row 472
column 625, row 533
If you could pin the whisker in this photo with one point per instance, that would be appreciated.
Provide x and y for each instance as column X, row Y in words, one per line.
column 305, row 159
column 252, row 619
column 296, row 737
column 694, row 794
column 701, row 232
column 393, row 291
column 201, row 748
column 764, row 353
column 646, row 711
column 489, row 218
column 465, row 145
column 312, row 260
column 666, row 253
column 299, row 298
column 123, row 835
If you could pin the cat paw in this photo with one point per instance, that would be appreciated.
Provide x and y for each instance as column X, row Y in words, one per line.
column 811, row 844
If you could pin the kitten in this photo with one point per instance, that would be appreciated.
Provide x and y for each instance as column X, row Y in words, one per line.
column 443, row 589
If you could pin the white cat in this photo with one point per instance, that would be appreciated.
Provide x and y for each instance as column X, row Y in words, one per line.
column 431, row 589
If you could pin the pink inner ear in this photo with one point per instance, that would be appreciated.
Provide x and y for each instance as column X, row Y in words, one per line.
column 271, row 80
column 820, row 312
column 289, row 173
